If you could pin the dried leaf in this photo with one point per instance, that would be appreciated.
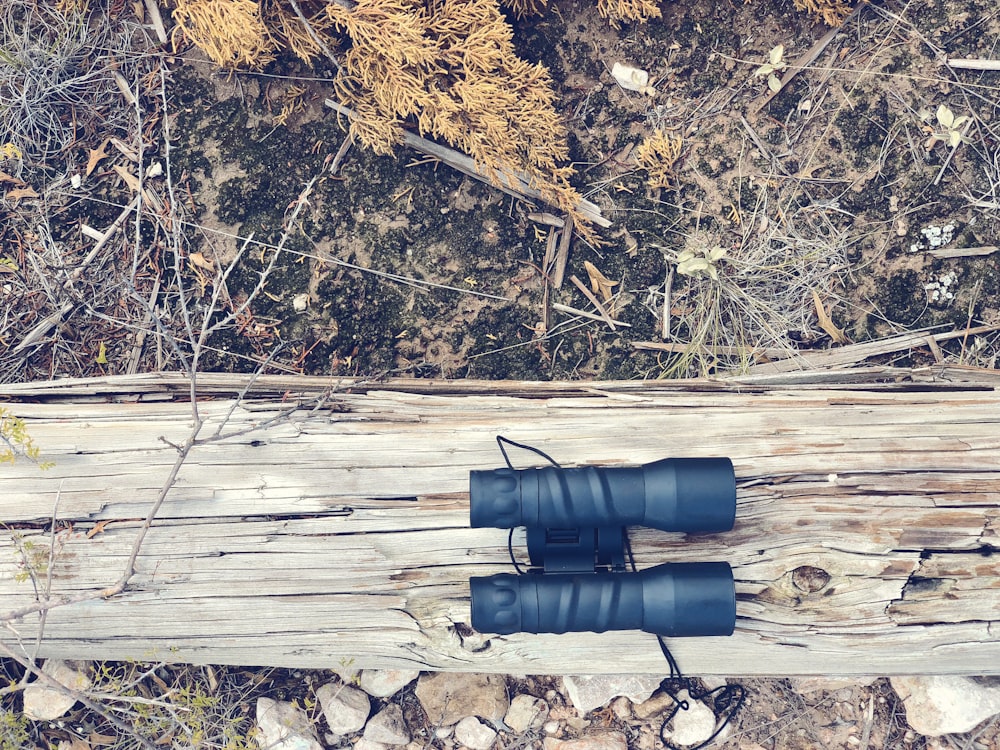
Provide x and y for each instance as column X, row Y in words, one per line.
column 201, row 261
column 826, row 322
column 600, row 283
column 130, row 179
column 96, row 154
column 18, row 194
column 4, row 177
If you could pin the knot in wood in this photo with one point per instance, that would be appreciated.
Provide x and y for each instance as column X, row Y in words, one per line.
column 809, row 579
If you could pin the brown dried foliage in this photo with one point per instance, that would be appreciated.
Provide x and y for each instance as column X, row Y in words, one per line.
column 833, row 12
column 450, row 67
column 231, row 32
column 617, row 11
column 446, row 66
column 657, row 155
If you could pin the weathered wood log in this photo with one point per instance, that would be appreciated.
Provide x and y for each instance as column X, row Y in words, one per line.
column 866, row 539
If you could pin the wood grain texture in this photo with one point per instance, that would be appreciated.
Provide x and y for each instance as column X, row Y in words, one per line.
column 866, row 536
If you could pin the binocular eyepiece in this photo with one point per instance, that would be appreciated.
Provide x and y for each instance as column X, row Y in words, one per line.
column 575, row 520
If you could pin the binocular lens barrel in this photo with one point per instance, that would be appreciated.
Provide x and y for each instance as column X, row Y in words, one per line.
column 673, row 599
column 674, row 494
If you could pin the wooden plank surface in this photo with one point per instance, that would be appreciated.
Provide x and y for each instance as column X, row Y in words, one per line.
column 866, row 536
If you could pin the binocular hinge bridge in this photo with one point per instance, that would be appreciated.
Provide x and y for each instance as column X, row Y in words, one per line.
column 577, row 550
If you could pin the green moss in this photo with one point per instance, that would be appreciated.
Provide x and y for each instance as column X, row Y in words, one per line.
column 902, row 298
column 864, row 129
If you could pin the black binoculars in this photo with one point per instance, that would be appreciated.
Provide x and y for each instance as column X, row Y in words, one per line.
column 575, row 521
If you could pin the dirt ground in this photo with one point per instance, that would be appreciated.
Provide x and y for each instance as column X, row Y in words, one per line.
column 830, row 187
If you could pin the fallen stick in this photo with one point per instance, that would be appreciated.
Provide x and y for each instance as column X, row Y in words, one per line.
column 801, row 63
column 845, row 356
column 962, row 252
column 966, row 63
column 590, row 316
column 521, row 187
column 562, row 253
column 729, row 351
column 156, row 19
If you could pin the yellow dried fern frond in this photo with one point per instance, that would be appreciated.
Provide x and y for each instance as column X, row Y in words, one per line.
column 231, row 32
column 72, row 6
column 287, row 26
column 657, row 155
column 449, row 66
column 832, row 12
column 617, row 11
column 524, row 8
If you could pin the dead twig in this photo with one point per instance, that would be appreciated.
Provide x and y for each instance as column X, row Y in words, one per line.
column 520, row 186
column 583, row 314
column 605, row 316
column 562, row 253
column 973, row 64
column 802, row 62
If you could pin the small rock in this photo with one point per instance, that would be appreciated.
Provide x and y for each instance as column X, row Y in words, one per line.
column 388, row 727
column 443, row 733
column 365, row 744
column 693, row 726
column 596, row 741
column 551, row 727
column 45, row 703
column 525, row 711
column 475, row 735
column 283, row 726
column 383, row 683
column 590, row 692
column 345, row 708
column 448, row 697
column 946, row 705
column 654, row 706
